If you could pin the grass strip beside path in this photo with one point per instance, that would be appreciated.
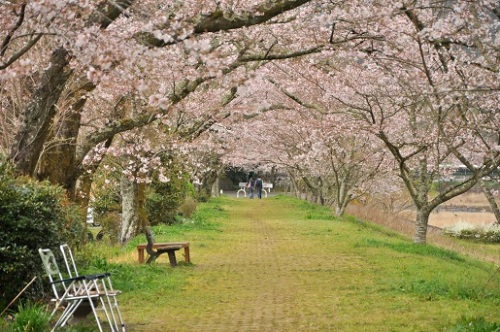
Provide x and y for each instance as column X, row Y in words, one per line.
column 280, row 264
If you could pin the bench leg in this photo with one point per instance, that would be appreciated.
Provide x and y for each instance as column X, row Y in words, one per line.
column 140, row 253
column 187, row 259
column 171, row 257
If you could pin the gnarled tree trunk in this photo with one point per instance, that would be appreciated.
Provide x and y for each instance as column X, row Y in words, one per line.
column 39, row 114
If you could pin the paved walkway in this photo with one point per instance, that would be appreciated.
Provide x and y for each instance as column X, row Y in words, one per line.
column 274, row 267
column 262, row 273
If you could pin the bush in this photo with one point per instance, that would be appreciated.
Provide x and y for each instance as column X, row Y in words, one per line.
column 188, row 207
column 31, row 318
column 32, row 215
column 106, row 200
column 490, row 234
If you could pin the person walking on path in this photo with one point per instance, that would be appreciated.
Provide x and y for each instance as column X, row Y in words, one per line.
column 250, row 186
column 258, row 186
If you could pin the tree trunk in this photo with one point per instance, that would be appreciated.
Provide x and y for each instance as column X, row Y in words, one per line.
column 208, row 183
column 314, row 193
column 133, row 205
column 82, row 190
column 39, row 114
column 57, row 163
column 340, row 207
column 296, row 186
column 421, row 222
column 491, row 201
column 60, row 163
column 342, row 199
column 216, row 185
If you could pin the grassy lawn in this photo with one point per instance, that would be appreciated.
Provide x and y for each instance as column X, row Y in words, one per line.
column 280, row 264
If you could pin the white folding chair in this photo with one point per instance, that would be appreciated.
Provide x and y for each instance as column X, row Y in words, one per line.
column 100, row 282
column 69, row 293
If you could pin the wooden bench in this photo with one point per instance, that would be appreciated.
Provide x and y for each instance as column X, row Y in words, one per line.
column 142, row 247
column 155, row 249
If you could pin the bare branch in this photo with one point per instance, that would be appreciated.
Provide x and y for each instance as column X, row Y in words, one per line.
column 7, row 39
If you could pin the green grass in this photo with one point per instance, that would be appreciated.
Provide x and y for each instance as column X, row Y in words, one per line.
column 465, row 324
column 280, row 264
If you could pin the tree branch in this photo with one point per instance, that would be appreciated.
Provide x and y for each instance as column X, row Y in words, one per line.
column 107, row 12
column 8, row 38
column 218, row 21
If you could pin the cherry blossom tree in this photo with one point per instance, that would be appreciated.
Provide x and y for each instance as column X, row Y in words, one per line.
column 324, row 158
column 429, row 92
column 420, row 77
column 122, row 44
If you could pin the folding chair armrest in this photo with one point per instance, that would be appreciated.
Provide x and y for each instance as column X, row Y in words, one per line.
column 97, row 276
column 69, row 280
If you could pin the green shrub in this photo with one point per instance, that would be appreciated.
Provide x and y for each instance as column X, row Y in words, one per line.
column 188, row 207
column 31, row 318
column 32, row 215
column 110, row 223
column 164, row 198
column 106, row 200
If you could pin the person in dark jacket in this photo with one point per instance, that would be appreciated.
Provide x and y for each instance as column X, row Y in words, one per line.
column 258, row 187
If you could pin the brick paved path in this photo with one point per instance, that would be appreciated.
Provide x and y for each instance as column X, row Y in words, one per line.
column 273, row 267
column 262, row 273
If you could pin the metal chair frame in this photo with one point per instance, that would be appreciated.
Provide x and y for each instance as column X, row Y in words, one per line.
column 69, row 293
column 102, row 283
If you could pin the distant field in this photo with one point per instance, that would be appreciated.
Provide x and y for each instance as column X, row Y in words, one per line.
column 473, row 199
column 447, row 218
column 452, row 212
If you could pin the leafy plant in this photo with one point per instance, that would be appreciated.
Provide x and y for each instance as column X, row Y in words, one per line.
column 188, row 207
column 32, row 215
column 164, row 198
column 30, row 318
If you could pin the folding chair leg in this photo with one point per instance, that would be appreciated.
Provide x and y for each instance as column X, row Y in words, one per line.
column 66, row 315
column 105, row 307
column 97, row 283
column 96, row 316
column 121, row 325
column 113, row 307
